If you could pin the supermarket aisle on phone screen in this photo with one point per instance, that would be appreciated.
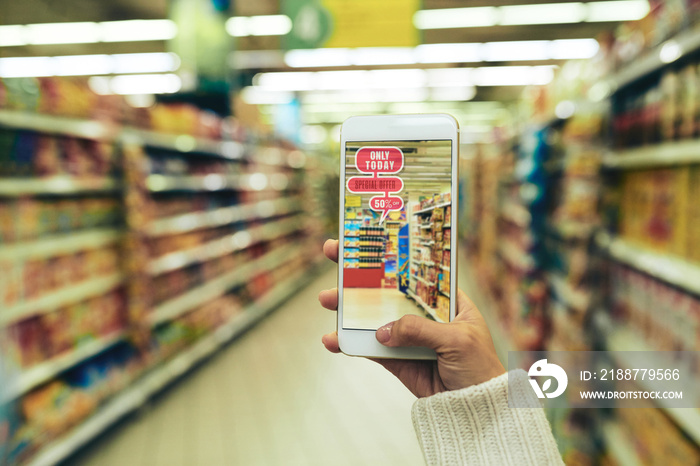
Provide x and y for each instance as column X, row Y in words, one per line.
column 273, row 397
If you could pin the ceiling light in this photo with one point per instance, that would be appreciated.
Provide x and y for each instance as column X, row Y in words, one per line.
column 573, row 49
column 448, row 53
column 512, row 75
column 255, row 96
column 88, row 32
column 82, row 65
column 138, row 30
column 448, row 94
column 383, row 56
column 63, row 33
column 145, row 84
column 285, row 81
column 268, row 25
column 624, row 10
column 565, row 49
column 549, row 13
column 26, row 67
column 156, row 62
column 546, row 13
column 405, row 78
column 516, row 50
column 13, row 35
column 456, row 18
column 318, row 57
column 85, row 65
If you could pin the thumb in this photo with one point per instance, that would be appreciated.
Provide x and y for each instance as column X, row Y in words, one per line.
column 411, row 330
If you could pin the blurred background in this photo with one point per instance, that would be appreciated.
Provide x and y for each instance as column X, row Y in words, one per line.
column 169, row 171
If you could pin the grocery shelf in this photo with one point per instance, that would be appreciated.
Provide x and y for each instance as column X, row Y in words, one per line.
column 223, row 246
column 62, row 297
column 186, row 144
column 686, row 42
column 137, row 393
column 221, row 216
column 676, row 271
column 216, row 287
column 211, row 182
column 86, row 129
column 445, row 268
column 63, row 184
column 573, row 298
column 516, row 257
column 64, row 243
column 664, row 154
column 443, row 293
column 47, row 370
column 619, row 445
column 516, row 213
column 423, row 280
column 428, row 209
column 429, row 263
column 622, row 343
column 422, row 304
column 572, row 229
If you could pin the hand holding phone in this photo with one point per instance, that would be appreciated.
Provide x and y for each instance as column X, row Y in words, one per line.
column 464, row 348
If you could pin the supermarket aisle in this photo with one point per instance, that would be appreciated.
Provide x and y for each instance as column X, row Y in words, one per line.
column 273, row 397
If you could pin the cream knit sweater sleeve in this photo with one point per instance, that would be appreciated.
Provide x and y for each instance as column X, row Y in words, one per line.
column 475, row 426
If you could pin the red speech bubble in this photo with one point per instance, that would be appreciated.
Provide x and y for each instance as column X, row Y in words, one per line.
column 380, row 184
column 385, row 204
column 376, row 160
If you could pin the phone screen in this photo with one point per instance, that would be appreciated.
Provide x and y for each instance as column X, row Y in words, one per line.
column 397, row 231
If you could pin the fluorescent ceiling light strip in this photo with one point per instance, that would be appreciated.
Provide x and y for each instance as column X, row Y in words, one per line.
column 87, row 32
column 545, row 13
column 86, row 65
column 548, row 13
column 138, row 30
column 63, row 33
column 376, row 79
column 13, row 36
column 625, row 10
column 456, row 18
column 266, row 25
column 564, row 49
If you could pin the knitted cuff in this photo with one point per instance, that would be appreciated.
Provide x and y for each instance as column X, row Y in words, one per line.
column 475, row 426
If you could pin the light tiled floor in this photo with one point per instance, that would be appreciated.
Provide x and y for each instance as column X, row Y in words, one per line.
column 273, row 397
column 370, row 308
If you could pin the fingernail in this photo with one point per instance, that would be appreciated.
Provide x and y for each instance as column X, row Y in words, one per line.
column 384, row 333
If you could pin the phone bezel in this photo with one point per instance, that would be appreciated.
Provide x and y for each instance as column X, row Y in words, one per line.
column 359, row 342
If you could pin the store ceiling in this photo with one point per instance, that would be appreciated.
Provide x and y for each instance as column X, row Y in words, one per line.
column 38, row 11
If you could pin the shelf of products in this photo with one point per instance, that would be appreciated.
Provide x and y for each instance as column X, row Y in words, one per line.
column 45, row 371
column 51, row 124
column 129, row 254
column 11, row 187
column 659, row 155
column 140, row 391
column 430, row 240
column 619, row 445
column 675, row 271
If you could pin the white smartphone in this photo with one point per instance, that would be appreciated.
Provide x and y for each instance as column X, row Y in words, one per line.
column 398, row 240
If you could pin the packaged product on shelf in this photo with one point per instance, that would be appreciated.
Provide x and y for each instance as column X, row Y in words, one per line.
column 693, row 229
column 654, row 209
